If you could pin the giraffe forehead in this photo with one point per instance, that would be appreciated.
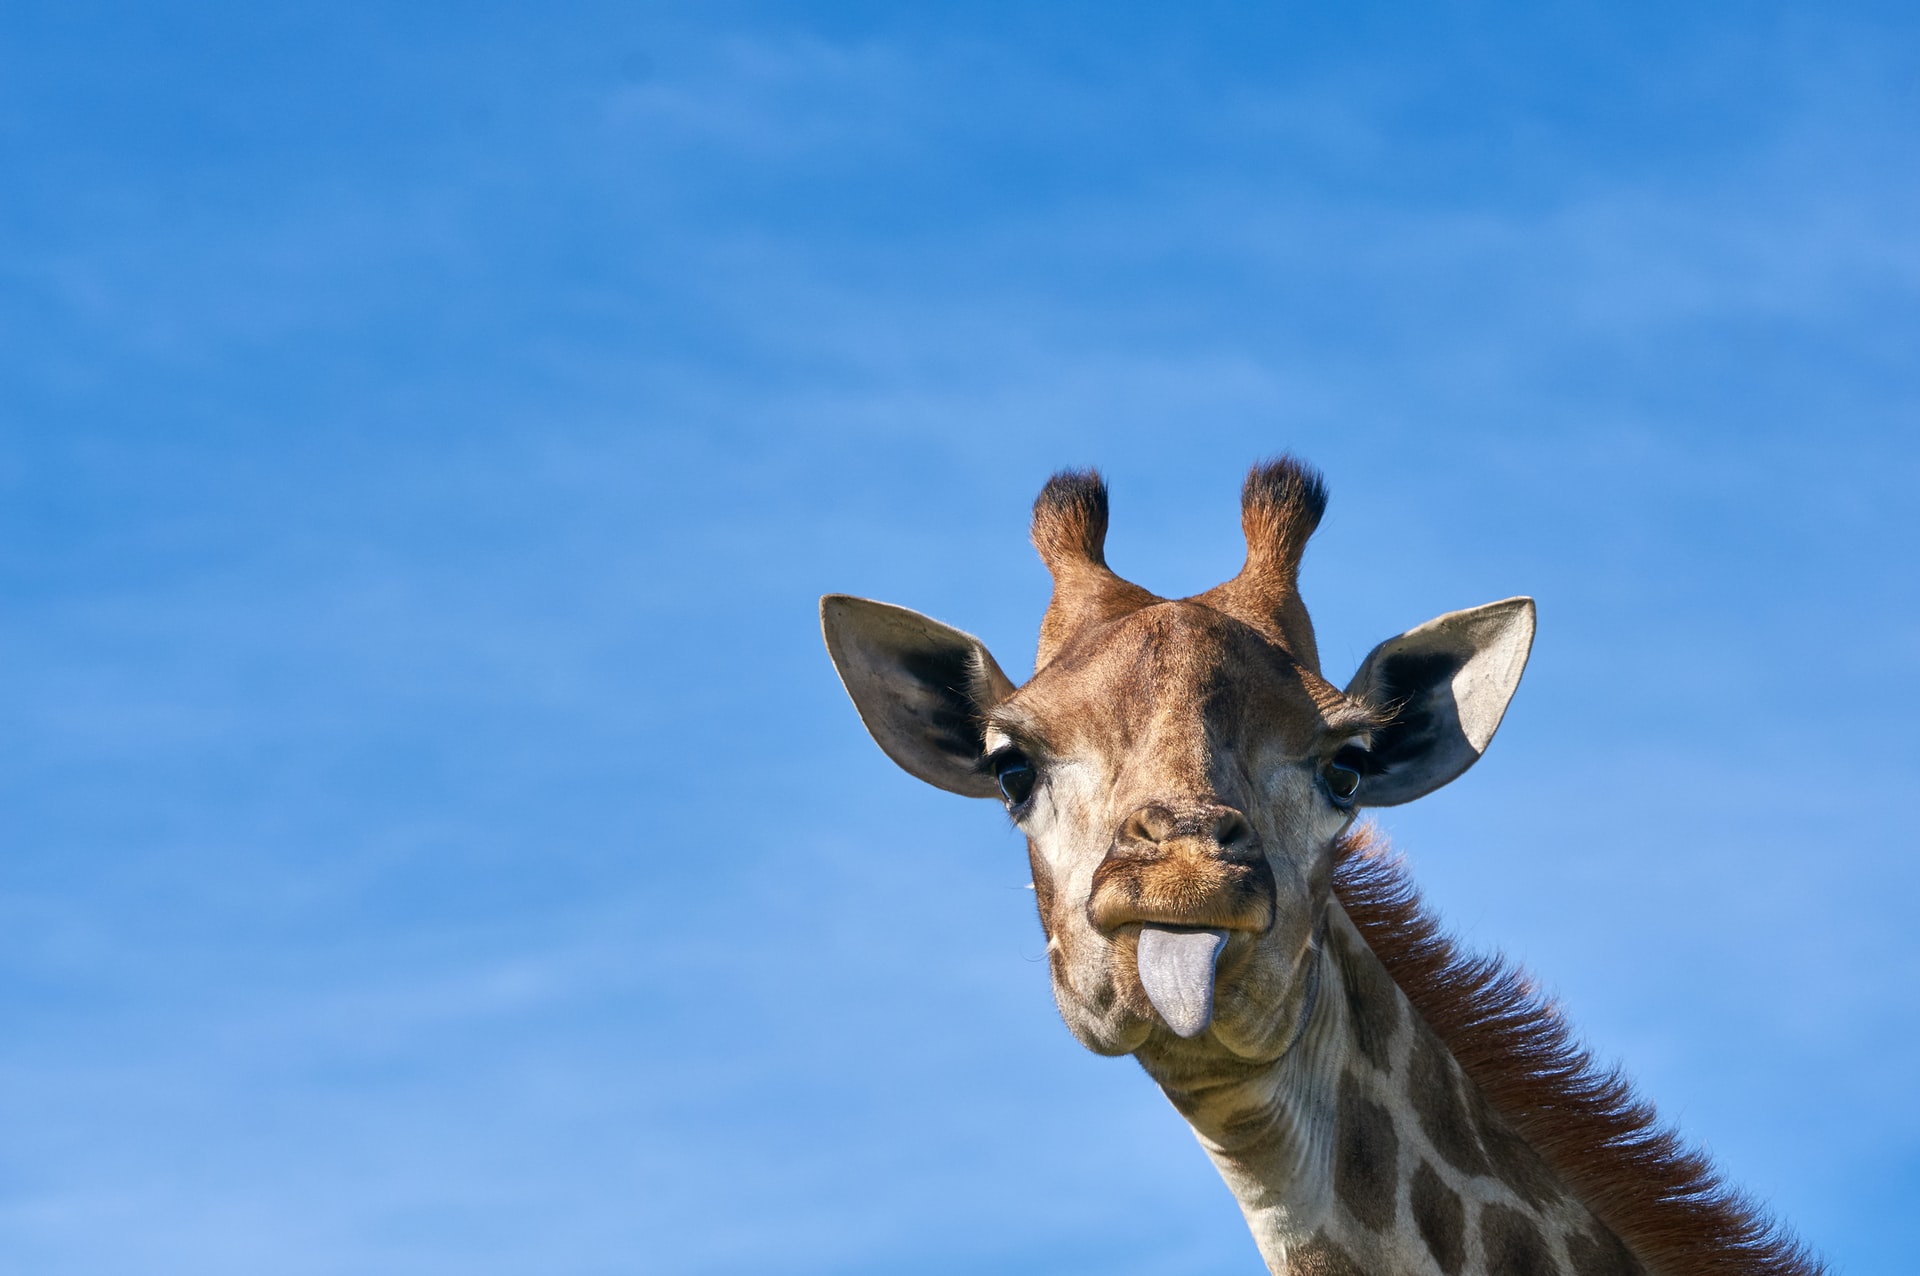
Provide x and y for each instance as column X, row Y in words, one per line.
column 1177, row 678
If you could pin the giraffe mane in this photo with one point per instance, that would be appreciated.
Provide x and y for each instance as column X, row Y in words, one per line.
column 1661, row 1196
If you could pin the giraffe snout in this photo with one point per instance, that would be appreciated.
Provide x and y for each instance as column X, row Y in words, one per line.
column 1200, row 865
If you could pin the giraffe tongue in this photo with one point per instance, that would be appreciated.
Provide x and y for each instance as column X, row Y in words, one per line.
column 1176, row 969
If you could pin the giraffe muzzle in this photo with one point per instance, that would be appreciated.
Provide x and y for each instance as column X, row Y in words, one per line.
column 1186, row 883
column 1182, row 886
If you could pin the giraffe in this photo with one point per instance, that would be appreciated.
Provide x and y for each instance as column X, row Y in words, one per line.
column 1188, row 785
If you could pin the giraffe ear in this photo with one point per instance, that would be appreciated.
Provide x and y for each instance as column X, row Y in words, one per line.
column 922, row 688
column 1447, row 684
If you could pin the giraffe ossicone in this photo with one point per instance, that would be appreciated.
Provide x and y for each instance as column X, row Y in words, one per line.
column 1188, row 784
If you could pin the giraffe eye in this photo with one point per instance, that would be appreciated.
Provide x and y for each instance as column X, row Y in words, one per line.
column 1015, row 774
column 1341, row 776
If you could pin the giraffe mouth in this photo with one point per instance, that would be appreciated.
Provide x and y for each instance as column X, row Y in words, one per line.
column 1190, row 894
column 1176, row 965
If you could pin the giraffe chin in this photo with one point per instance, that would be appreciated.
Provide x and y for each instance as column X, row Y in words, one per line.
column 1176, row 966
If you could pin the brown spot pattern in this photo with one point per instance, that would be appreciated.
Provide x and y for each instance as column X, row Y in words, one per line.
column 1511, row 1245
column 1441, row 1218
column 1604, row 1142
column 1513, row 1162
column 1435, row 1096
column 1373, row 1003
column 1366, row 1159
column 1601, row 1255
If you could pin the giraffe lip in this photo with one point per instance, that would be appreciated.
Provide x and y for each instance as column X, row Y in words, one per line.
column 1244, row 920
column 1209, row 895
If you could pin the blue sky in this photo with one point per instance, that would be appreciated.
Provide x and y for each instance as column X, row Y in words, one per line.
column 433, row 837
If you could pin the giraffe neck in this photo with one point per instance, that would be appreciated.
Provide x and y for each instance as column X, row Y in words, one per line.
column 1365, row 1150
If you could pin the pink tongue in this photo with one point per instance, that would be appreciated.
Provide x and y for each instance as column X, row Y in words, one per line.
column 1176, row 969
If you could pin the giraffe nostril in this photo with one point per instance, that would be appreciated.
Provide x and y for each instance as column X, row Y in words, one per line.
column 1148, row 826
column 1215, row 829
column 1231, row 831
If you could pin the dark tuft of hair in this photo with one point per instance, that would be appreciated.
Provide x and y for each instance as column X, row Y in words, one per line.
column 1070, row 519
column 1280, row 506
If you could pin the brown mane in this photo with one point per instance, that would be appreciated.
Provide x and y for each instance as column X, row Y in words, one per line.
column 1663, row 1198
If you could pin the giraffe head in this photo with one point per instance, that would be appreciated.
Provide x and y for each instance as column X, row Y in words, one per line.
column 1179, row 767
